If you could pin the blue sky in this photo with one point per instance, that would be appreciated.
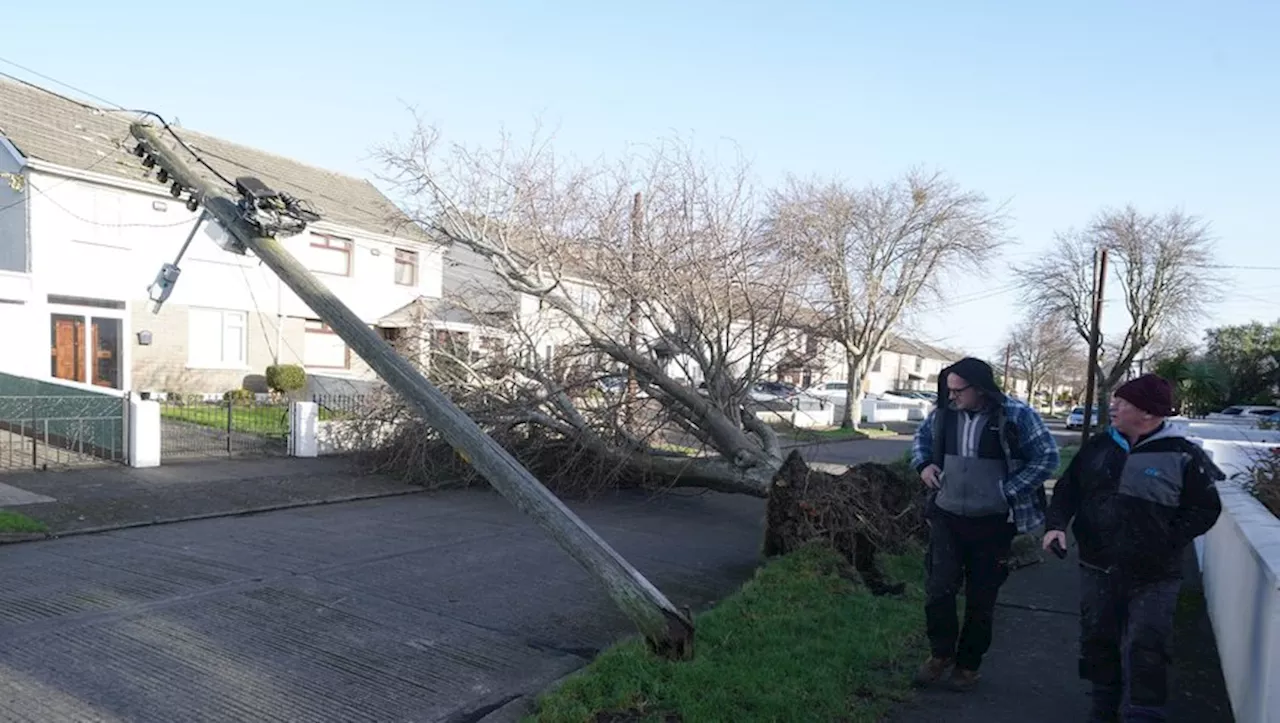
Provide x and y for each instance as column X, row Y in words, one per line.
column 1057, row 109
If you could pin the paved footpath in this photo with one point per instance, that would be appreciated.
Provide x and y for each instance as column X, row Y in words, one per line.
column 438, row 607
column 81, row 500
column 1030, row 673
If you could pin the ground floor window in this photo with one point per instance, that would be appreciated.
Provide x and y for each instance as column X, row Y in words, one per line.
column 86, row 349
column 217, row 338
column 323, row 348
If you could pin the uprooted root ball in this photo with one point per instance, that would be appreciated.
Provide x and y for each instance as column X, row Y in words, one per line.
column 867, row 509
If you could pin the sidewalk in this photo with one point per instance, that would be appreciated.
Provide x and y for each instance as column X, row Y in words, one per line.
column 1030, row 673
column 85, row 500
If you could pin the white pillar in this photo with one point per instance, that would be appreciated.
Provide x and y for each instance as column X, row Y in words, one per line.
column 144, row 433
column 304, row 422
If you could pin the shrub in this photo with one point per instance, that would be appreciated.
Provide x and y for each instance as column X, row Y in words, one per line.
column 286, row 378
column 238, row 396
column 1265, row 484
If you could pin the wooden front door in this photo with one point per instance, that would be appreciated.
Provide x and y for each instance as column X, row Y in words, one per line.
column 68, row 348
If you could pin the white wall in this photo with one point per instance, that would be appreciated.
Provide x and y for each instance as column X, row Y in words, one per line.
column 1240, row 567
column 19, row 321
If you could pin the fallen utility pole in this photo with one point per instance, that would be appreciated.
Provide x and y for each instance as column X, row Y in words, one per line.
column 633, row 316
column 1095, row 324
column 668, row 631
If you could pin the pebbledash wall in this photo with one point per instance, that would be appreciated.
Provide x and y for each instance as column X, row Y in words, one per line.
column 164, row 365
column 1240, row 566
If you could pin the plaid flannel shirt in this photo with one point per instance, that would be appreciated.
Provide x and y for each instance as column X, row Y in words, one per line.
column 1033, row 461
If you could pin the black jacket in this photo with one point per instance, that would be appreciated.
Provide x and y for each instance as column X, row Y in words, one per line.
column 1137, row 509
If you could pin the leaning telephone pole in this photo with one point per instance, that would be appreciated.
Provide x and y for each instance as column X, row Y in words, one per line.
column 1008, row 387
column 633, row 314
column 1095, row 324
column 668, row 631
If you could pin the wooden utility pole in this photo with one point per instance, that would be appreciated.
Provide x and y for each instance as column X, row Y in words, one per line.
column 1095, row 324
column 633, row 313
column 668, row 631
column 1008, row 388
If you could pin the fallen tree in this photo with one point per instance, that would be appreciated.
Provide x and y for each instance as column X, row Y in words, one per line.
column 684, row 295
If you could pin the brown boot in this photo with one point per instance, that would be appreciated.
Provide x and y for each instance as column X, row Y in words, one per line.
column 963, row 681
column 931, row 671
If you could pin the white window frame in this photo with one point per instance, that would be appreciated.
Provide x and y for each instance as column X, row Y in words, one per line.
column 408, row 258
column 329, row 243
column 229, row 320
column 321, row 328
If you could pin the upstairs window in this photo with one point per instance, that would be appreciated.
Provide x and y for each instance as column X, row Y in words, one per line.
column 406, row 267
column 331, row 254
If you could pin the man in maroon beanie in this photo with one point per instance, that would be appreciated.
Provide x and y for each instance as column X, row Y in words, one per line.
column 1139, row 493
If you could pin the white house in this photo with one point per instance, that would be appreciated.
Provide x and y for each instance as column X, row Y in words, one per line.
column 904, row 365
column 84, row 228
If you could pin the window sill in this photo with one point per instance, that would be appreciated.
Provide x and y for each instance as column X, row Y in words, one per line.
column 217, row 367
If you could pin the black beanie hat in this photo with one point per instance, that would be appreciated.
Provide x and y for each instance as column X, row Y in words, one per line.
column 1150, row 393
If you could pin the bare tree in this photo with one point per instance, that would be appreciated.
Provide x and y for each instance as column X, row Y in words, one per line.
column 1043, row 347
column 874, row 253
column 1162, row 263
column 686, row 292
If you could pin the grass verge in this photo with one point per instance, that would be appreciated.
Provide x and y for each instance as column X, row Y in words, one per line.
column 834, row 435
column 17, row 522
column 796, row 643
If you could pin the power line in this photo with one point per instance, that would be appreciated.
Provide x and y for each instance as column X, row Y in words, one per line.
column 55, row 81
column 1235, row 268
column 117, row 107
column 101, row 224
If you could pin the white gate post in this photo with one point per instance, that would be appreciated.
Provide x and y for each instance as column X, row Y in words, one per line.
column 143, row 419
column 304, row 420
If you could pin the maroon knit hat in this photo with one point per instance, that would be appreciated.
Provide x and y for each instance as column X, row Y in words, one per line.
column 1150, row 393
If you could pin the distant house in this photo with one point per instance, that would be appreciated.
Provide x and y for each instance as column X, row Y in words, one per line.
column 908, row 365
column 84, row 228
column 805, row 359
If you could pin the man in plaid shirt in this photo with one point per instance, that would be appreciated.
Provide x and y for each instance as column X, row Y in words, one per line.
column 985, row 458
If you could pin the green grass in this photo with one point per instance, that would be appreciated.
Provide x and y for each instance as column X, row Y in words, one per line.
column 796, row 643
column 15, row 522
column 265, row 421
column 676, row 448
column 1065, row 454
column 834, row 435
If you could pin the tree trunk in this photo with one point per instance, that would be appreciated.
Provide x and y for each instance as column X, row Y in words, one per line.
column 852, row 416
column 1103, row 401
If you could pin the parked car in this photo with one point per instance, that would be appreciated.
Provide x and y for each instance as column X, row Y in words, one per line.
column 1075, row 420
column 616, row 384
column 1247, row 411
column 772, row 391
column 832, row 391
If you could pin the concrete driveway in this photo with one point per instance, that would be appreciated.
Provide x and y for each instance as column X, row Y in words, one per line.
column 425, row 608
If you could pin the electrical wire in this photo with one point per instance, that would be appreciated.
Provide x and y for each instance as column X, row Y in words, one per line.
column 101, row 224
column 102, row 159
column 117, row 108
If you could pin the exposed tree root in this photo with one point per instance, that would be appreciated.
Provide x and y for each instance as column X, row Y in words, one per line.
column 859, row 513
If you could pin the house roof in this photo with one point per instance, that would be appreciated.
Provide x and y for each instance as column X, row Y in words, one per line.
column 56, row 129
column 904, row 345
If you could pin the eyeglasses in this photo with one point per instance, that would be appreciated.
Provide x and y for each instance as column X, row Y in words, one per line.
column 957, row 392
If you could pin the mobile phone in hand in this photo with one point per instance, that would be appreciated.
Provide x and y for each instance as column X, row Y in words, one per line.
column 1057, row 549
